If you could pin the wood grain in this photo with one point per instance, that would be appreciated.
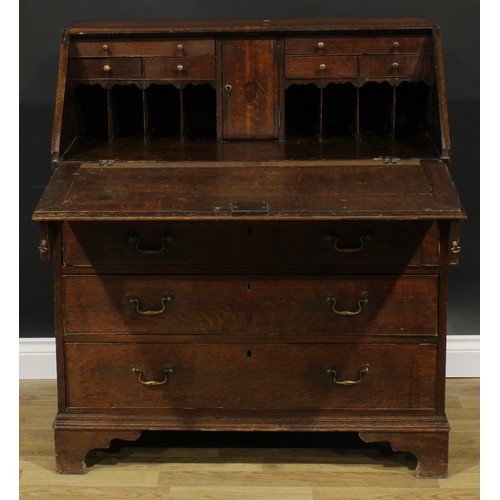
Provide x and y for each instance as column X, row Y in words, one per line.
column 309, row 67
column 168, row 68
column 249, row 376
column 246, row 305
column 238, row 243
column 93, row 68
column 381, row 65
column 352, row 44
column 250, row 109
column 402, row 192
column 83, row 28
column 143, row 47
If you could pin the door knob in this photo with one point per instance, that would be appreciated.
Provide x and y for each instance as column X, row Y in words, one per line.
column 228, row 88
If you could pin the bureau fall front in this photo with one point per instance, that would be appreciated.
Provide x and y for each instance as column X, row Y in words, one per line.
column 251, row 224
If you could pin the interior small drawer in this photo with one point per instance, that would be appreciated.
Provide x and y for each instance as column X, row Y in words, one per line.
column 321, row 67
column 250, row 376
column 327, row 45
column 242, row 305
column 357, row 245
column 86, row 68
column 394, row 65
column 147, row 47
column 179, row 68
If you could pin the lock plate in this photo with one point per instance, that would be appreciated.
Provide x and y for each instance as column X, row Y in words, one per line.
column 242, row 208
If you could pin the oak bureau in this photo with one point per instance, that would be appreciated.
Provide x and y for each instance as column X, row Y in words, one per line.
column 251, row 224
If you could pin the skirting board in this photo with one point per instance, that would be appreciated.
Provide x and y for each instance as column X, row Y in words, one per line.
column 37, row 357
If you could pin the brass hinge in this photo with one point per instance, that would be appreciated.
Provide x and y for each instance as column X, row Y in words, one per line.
column 388, row 160
column 106, row 163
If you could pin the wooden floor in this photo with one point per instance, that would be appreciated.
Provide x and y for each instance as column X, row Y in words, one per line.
column 246, row 467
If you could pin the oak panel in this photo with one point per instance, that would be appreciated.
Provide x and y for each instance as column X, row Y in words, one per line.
column 179, row 68
column 250, row 103
column 110, row 46
column 249, row 376
column 406, row 191
column 205, row 305
column 94, row 68
column 321, row 67
column 250, row 243
column 394, row 65
column 352, row 44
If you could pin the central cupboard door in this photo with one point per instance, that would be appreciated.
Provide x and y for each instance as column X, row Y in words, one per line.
column 250, row 89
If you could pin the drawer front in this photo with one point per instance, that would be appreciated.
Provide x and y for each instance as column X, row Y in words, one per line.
column 351, row 305
column 181, row 68
column 108, row 67
column 170, row 48
column 321, row 67
column 114, row 376
column 238, row 243
column 318, row 45
column 394, row 66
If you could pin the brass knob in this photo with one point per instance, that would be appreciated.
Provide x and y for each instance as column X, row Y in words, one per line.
column 106, row 68
column 180, row 47
column 321, row 45
column 395, row 45
column 180, row 68
column 322, row 67
column 105, row 47
column 395, row 65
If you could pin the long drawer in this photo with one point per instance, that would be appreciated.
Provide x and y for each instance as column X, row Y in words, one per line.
column 113, row 376
column 239, row 243
column 204, row 305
